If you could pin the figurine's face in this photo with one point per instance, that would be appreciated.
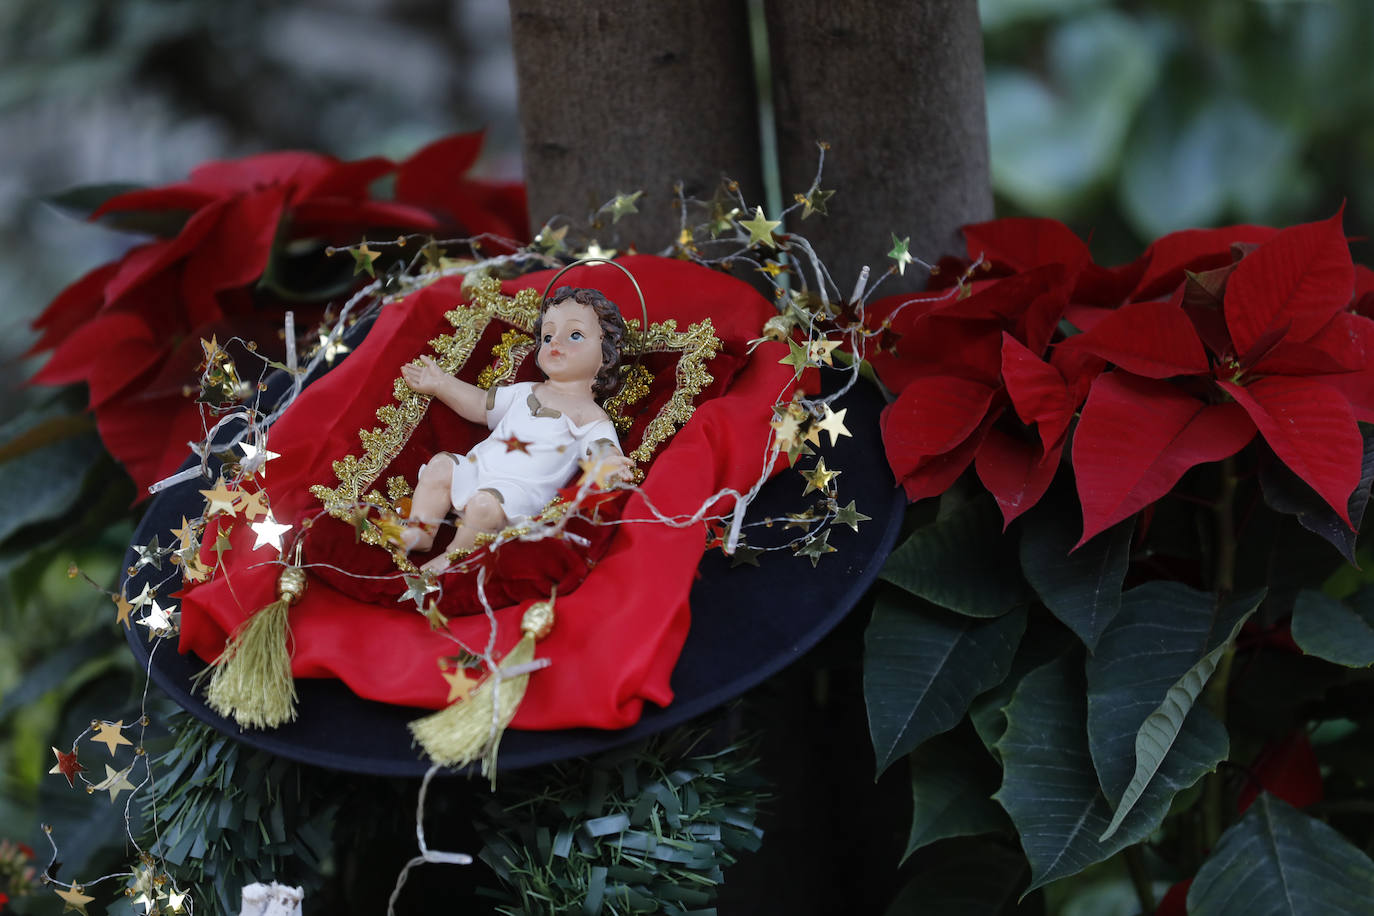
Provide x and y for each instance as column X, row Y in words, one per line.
column 570, row 342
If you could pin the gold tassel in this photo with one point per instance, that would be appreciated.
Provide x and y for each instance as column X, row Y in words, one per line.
column 472, row 727
column 251, row 680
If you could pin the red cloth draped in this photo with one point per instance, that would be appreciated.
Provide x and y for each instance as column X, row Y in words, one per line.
column 618, row 635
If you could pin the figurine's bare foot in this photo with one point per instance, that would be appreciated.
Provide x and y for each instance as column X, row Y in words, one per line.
column 417, row 535
column 441, row 562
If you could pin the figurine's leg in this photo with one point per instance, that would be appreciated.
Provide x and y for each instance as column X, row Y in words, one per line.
column 482, row 514
column 429, row 504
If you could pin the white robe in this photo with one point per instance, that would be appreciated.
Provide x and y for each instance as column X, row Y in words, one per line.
column 527, row 458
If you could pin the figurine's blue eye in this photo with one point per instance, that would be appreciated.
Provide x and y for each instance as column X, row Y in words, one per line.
column 548, row 337
column 575, row 335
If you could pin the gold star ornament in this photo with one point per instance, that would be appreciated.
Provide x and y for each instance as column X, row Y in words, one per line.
column 900, row 254
column 833, row 423
column 254, row 505
column 115, row 781
column 819, row 478
column 156, row 620
column 363, row 258
column 255, row 457
column 851, row 516
column 816, row 547
column 814, row 202
column 745, row 555
column 551, row 241
column 436, row 618
column 122, row 609
column 819, row 351
column 73, row 899
column 110, row 735
column 333, row 348
column 601, row 473
column 623, row 205
column 459, row 684
column 594, row 250
column 219, row 499
column 798, row 357
column 269, row 532
column 760, row 229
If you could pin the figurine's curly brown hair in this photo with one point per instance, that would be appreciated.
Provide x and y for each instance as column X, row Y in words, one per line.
column 608, row 379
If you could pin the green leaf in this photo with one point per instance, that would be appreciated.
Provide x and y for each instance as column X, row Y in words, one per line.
column 83, row 200
column 979, row 877
column 923, row 666
column 1286, row 492
column 1187, row 165
column 1162, row 728
column 1328, row 629
column 1052, row 141
column 1049, row 786
column 1039, row 645
column 952, row 781
column 51, row 455
column 1164, row 631
column 1083, row 588
column 56, row 671
column 1279, row 862
column 300, row 271
column 961, row 562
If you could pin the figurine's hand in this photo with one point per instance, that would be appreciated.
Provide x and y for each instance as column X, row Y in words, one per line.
column 605, row 469
column 424, row 375
column 612, row 468
column 618, row 467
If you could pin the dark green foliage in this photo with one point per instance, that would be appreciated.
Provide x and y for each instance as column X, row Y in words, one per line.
column 924, row 665
column 230, row 815
column 951, row 563
column 1280, row 862
column 964, row 877
column 649, row 829
column 1083, row 587
column 1329, row 629
column 952, row 781
column 1159, row 677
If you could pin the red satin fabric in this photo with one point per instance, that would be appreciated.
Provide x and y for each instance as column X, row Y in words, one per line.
column 619, row 633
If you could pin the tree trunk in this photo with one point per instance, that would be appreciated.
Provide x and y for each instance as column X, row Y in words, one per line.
column 897, row 90
column 617, row 98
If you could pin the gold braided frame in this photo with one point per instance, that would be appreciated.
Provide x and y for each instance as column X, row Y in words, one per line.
column 381, row 445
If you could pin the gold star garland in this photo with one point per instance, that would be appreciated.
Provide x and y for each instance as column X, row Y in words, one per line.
column 823, row 330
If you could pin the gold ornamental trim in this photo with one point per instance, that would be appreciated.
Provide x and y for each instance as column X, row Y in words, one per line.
column 358, row 475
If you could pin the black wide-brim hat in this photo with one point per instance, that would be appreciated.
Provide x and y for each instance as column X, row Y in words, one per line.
column 747, row 622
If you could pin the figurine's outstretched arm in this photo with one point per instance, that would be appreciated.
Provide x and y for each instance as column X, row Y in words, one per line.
column 468, row 401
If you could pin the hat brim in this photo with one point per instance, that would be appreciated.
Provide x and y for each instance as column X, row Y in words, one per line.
column 748, row 622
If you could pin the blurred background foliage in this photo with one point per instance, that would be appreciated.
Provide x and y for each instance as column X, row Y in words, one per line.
column 1124, row 120
column 1128, row 121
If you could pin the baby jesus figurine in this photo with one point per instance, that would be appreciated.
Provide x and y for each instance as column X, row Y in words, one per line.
column 541, row 431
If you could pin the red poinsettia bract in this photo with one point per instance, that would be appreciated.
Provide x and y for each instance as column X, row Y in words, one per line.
column 131, row 329
column 1260, row 345
column 1183, row 356
column 974, row 387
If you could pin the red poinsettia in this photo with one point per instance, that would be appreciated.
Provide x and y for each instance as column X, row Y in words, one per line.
column 131, row 329
column 1265, row 343
column 961, row 361
column 1183, row 355
column 1286, row 768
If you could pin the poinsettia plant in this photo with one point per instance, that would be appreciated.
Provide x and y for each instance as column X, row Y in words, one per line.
column 1125, row 633
column 234, row 247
